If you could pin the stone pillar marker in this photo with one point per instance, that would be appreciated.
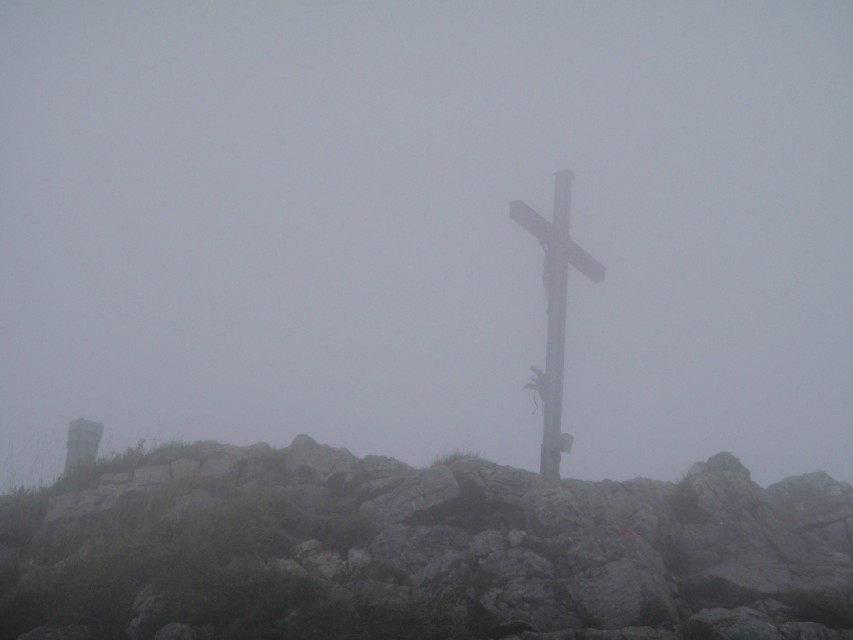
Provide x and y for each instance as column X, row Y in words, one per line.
column 84, row 438
column 560, row 252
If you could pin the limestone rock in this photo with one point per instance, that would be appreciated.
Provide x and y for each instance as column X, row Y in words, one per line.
column 417, row 495
column 723, row 491
column 494, row 484
column 74, row 632
column 819, row 504
column 615, row 579
column 509, row 629
column 640, row 506
column 325, row 562
column 152, row 474
column 739, row 551
column 308, row 460
column 520, row 584
column 745, row 622
column 148, row 608
column 219, row 468
column 733, row 624
column 79, row 504
column 184, row 469
column 367, row 478
column 435, row 560
column 181, row 631
column 550, row 511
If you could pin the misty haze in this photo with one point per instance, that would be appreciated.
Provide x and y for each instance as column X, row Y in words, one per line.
column 244, row 222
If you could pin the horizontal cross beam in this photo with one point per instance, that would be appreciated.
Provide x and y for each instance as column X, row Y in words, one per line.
column 549, row 236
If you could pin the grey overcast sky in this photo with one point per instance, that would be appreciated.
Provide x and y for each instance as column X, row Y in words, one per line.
column 244, row 221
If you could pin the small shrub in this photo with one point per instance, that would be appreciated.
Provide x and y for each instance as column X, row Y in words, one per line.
column 85, row 476
column 245, row 525
column 685, row 502
column 251, row 603
column 174, row 450
column 21, row 514
column 96, row 588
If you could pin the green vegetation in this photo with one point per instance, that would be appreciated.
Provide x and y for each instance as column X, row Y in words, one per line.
column 21, row 513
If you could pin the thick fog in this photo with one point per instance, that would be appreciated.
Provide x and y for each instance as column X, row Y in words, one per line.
column 246, row 221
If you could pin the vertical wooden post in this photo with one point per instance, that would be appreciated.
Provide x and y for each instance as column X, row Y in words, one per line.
column 556, row 279
column 560, row 251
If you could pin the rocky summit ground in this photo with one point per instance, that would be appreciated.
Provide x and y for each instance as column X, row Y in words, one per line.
column 208, row 541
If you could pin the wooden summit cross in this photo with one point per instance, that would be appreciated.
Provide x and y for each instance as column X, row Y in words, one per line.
column 560, row 252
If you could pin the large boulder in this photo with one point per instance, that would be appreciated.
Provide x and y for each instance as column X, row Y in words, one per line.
column 722, row 491
column 736, row 550
column 517, row 583
column 76, row 505
column 495, row 485
column 640, row 506
column 819, row 504
column 417, row 498
column 741, row 623
column 367, row 478
column 614, row 578
column 552, row 510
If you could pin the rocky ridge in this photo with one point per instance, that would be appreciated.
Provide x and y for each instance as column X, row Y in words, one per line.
column 501, row 551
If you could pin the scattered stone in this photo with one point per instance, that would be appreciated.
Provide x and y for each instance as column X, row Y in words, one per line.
column 516, row 537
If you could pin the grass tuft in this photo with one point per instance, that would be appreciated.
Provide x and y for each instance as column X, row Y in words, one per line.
column 454, row 456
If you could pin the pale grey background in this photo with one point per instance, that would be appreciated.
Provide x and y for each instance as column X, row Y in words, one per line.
column 244, row 221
